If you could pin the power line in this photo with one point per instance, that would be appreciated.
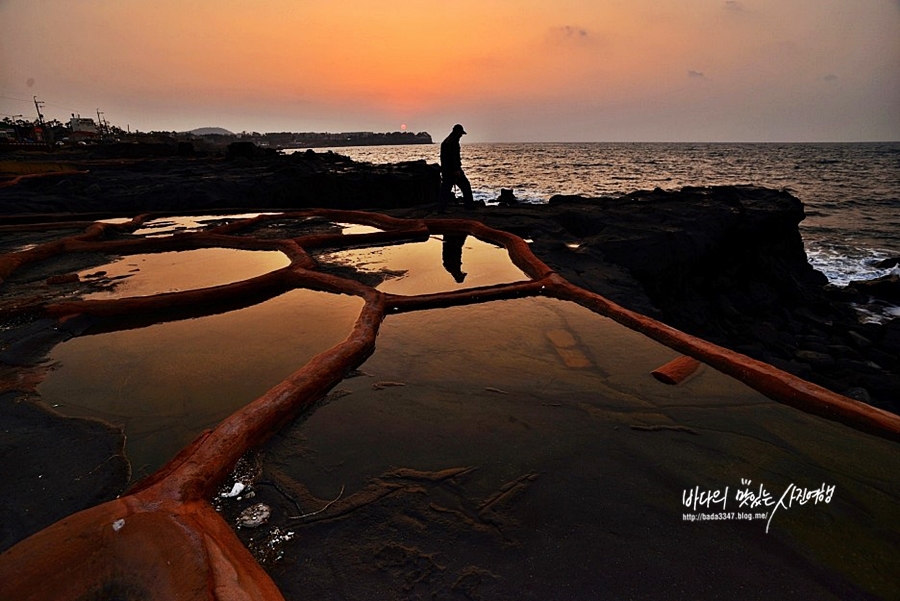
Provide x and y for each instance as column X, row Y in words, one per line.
column 28, row 100
column 43, row 103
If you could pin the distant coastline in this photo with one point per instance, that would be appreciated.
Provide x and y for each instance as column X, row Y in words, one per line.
column 24, row 135
column 283, row 140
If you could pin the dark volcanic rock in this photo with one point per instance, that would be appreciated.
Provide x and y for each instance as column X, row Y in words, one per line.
column 888, row 263
column 81, row 463
column 248, row 178
column 886, row 288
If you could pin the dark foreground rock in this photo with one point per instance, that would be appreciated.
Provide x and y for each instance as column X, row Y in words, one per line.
column 246, row 177
column 53, row 466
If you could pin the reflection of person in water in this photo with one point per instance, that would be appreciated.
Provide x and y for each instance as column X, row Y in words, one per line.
column 451, row 255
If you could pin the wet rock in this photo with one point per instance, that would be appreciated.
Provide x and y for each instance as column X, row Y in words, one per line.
column 842, row 352
column 886, row 288
column 507, row 198
column 815, row 359
column 254, row 516
column 858, row 393
column 66, row 278
column 890, row 339
column 74, row 463
column 858, row 340
column 859, row 367
column 888, row 263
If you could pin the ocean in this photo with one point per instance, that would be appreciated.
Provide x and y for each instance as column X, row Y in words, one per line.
column 850, row 191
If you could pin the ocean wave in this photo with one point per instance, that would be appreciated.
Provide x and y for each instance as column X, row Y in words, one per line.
column 844, row 265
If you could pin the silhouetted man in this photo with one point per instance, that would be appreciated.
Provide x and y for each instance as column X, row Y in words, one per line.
column 451, row 171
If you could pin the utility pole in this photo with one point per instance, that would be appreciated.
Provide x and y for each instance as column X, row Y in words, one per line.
column 37, row 105
column 100, row 121
column 16, row 127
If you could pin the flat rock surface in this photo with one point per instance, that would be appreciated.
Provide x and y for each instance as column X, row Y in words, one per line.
column 53, row 466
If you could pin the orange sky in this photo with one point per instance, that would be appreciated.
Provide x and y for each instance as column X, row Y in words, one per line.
column 679, row 70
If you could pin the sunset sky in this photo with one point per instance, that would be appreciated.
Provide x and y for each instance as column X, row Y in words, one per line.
column 524, row 70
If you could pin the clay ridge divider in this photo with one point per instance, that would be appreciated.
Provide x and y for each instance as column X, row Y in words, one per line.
column 397, row 303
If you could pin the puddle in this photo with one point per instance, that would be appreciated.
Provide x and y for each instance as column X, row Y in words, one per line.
column 168, row 226
column 147, row 274
column 440, row 264
column 168, row 382
column 354, row 228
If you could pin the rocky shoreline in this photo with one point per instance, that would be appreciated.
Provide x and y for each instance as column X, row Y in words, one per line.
column 725, row 263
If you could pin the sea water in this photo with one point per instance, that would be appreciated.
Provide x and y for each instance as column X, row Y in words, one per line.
column 851, row 191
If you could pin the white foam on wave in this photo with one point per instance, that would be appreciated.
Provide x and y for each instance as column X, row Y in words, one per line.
column 842, row 266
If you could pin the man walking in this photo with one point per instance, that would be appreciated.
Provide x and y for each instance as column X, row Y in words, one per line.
column 451, row 171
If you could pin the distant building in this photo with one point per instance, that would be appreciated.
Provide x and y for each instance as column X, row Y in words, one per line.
column 79, row 124
column 82, row 129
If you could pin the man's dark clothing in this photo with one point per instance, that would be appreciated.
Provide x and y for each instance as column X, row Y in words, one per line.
column 452, row 173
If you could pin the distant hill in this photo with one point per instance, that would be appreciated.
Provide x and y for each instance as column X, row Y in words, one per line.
column 209, row 131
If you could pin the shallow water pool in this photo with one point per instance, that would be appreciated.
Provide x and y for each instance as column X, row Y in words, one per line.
column 168, row 382
column 440, row 264
column 155, row 273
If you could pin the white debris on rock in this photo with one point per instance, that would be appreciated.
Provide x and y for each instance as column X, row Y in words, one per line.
column 235, row 490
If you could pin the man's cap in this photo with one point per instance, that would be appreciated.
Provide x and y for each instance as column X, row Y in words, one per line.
column 459, row 128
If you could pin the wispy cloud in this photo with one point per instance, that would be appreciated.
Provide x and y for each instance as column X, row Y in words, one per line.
column 568, row 32
column 830, row 77
column 695, row 74
column 735, row 6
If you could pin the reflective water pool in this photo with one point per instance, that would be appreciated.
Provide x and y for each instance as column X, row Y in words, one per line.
column 440, row 264
column 154, row 273
column 167, row 226
column 167, row 382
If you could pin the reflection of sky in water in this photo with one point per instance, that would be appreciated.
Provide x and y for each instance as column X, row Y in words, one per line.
column 168, row 382
column 355, row 228
column 146, row 274
column 433, row 266
column 167, row 226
